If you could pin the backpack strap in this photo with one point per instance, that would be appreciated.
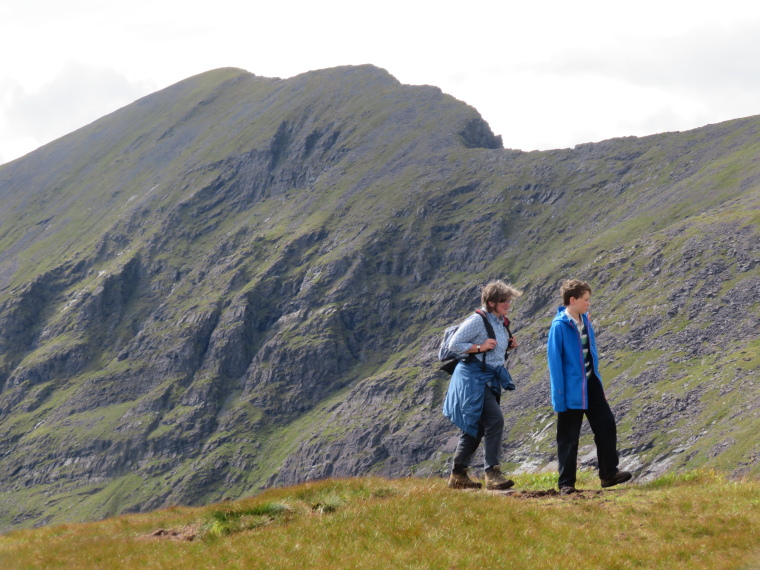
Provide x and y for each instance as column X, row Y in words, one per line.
column 489, row 332
column 510, row 338
column 507, row 322
column 487, row 323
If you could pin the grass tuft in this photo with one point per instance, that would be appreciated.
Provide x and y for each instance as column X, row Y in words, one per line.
column 695, row 477
column 324, row 497
column 231, row 520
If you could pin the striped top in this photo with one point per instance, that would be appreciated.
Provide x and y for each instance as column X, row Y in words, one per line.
column 581, row 326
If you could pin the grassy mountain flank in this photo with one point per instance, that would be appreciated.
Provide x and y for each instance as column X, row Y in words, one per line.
column 694, row 521
column 240, row 282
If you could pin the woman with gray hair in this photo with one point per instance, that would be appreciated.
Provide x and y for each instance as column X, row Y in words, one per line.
column 473, row 399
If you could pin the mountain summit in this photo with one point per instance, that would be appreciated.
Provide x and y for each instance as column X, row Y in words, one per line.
column 239, row 282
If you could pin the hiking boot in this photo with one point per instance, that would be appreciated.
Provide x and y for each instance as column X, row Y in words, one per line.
column 617, row 478
column 567, row 490
column 459, row 479
column 495, row 481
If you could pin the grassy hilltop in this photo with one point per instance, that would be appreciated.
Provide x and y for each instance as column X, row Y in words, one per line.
column 699, row 520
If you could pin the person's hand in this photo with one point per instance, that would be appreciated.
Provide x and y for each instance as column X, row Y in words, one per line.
column 512, row 343
column 489, row 344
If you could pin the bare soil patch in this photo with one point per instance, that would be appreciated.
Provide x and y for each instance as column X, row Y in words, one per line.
column 186, row 533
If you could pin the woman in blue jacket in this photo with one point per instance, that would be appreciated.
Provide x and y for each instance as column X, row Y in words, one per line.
column 577, row 389
column 472, row 401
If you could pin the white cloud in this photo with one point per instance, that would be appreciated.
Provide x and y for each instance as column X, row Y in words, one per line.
column 703, row 60
column 543, row 74
column 79, row 95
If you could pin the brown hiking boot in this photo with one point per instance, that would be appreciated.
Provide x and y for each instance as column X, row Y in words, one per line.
column 495, row 481
column 460, row 480
column 617, row 478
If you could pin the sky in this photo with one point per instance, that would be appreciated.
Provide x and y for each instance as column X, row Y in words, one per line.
column 544, row 74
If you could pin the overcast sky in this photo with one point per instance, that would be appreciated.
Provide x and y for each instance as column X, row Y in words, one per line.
column 544, row 74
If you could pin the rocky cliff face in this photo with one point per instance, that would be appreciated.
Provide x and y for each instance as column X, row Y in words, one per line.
column 240, row 281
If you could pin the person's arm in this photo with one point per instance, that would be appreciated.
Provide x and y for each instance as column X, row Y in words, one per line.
column 485, row 346
column 471, row 337
column 554, row 348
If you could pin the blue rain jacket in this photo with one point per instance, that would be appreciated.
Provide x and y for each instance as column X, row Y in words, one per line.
column 566, row 366
column 464, row 400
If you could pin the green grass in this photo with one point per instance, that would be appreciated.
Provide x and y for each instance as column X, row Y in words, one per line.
column 695, row 520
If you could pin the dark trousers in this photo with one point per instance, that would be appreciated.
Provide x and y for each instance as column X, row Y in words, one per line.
column 602, row 423
column 490, row 426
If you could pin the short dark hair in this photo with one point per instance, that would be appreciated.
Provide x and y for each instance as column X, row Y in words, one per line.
column 573, row 288
column 497, row 292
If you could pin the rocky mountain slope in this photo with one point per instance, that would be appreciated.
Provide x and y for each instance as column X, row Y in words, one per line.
column 239, row 282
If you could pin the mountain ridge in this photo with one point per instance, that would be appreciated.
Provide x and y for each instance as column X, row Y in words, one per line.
column 254, row 295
